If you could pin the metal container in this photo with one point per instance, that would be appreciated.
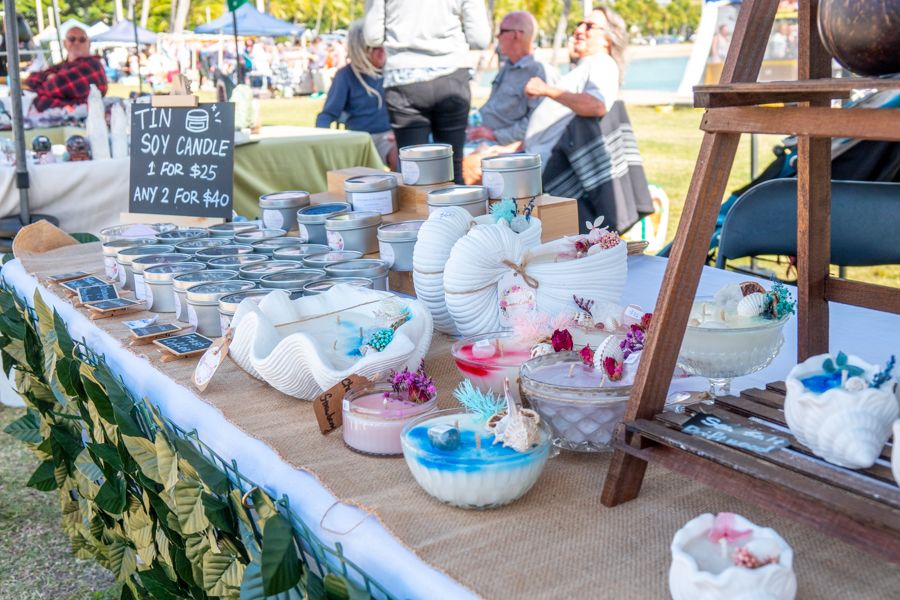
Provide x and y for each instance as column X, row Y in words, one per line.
column 158, row 284
column 311, row 221
column 298, row 252
column 126, row 255
column 355, row 230
column 134, row 231
column 323, row 285
column 260, row 270
column 142, row 262
column 248, row 237
column 279, row 209
column 229, row 230
column 376, row 193
column 235, row 262
column 320, row 261
column 512, row 176
column 291, row 280
column 426, row 164
column 368, row 268
column 228, row 305
column 181, row 283
column 203, row 304
column 473, row 198
column 207, row 254
column 396, row 242
column 197, row 244
column 268, row 247
column 179, row 235
column 111, row 251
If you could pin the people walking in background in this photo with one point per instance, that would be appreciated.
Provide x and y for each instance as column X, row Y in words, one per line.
column 356, row 96
column 426, row 85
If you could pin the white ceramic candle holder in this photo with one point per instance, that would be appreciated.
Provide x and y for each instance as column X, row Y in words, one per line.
column 847, row 427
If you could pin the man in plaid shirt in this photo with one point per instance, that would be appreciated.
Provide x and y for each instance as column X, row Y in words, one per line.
column 68, row 83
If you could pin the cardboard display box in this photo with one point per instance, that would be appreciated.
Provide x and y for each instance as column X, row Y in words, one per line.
column 559, row 216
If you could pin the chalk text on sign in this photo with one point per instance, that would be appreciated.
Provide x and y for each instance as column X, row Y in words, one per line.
column 155, row 118
column 191, row 146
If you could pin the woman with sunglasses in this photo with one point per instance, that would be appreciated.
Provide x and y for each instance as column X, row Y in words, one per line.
column 68, row 83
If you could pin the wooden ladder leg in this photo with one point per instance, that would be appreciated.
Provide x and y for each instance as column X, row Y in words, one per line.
column 714, row 163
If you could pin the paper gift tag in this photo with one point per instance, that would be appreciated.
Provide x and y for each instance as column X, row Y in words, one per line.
column 329, row 404
column 211, row 360
column 515, row 297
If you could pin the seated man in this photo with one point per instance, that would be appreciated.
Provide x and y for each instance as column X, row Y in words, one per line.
column 69, row 82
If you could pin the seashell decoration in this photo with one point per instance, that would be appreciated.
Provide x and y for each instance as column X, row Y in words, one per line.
column 300, row 347
column 518, row 428
column 752, row 305
column 541, row 349
column 608, row 348
column 847, row 427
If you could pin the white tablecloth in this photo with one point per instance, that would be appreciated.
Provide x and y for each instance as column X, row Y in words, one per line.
column 870, row 334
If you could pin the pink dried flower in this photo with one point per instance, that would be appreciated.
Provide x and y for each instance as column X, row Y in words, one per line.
column 614, row 369
column 562, row 321
column 594, row 235
column 609, row 240
column 748, row 560
column 724, row 529
column 530, row 327
column 562, row 340
column 645, row 321
column 419, row 386
column 587, row 355
column 582, row 245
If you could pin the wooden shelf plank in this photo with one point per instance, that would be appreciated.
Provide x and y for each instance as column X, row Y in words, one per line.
column 861, row 123
column 867, row 295
column 772, row 92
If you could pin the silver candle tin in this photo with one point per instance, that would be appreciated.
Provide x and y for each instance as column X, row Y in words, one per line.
column 268, row 247
column 298, row 252
column 236, row 261
column 229, row 230
column 512, row 176
column 111, row 250
column 248, row 237
column 158, row 284
column 260, row 270
column 228, row 305
column 396, row 242
column 426, row 164
column 376, row 193
column 181, row 283
column 368, row 268
column 323, row 285
column 203, row 304
column 207, row 254
column 473, row 198
column 179, row 235
column 320, row 261
column 291, row 280
column 126, row 255
column 142, row 262
column 279, row 209
column 356, row 230
column 134, row 231
column 197, row 244
column 311, row 221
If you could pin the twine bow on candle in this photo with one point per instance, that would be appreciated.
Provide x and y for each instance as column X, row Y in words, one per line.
column 520, row 270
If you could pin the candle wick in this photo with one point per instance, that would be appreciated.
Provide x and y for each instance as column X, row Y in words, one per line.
column 334, row 347
column 478, row 440
column 844, row 377
column 723, row 544
column 500, row 346
column 338, row 317
column 360, row 332
column 571, row 369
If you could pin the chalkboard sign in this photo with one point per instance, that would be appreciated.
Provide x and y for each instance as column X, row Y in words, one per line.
column 716, row 429
column 114, row 304
column 61, row 277
column 95, row 293
column 76, row 284
column 182, row 160
column 152, row 330
column 183, row 345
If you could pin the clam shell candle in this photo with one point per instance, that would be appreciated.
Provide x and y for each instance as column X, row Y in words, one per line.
column 726, row 556
column 487, row 360
column 374, row 417
column 311, row 221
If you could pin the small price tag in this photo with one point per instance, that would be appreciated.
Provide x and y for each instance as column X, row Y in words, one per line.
column 211, row 360
column 716, row 429
column 514, row 297
column 329, row 404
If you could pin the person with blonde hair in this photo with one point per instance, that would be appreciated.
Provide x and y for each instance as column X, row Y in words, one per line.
column 356, row 97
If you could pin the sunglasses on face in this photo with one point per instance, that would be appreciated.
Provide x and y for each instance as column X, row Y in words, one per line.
column 502, row 31
column 589, row 25
column 80, row 39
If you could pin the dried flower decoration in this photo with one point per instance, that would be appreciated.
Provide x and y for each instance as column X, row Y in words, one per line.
column 505, row 209
column 418, row 385
column 614, row 369
column 884, row 375
column 745, row 558
column 723, row 529
column 587, row 355
column 584, row 304
column 562, row 340
column 778, row 302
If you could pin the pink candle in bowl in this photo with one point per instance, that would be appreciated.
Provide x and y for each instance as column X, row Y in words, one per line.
column 489, row 359
column 374, row 417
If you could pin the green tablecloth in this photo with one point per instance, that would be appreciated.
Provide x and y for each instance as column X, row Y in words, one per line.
column 295, row 158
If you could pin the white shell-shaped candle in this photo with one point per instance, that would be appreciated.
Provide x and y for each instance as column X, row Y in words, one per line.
column 752, row 305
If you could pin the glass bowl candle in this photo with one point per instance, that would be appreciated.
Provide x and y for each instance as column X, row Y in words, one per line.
column 475, row 472
column 581, row 406
column 490, row 358
column 375, row 415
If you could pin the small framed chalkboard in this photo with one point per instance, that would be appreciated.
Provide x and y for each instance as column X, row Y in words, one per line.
column 154, row 330
column 61, row 277
column 96, row 293
column 181, row 346
column 75, row 284
column 182, row 160
column 114, row 304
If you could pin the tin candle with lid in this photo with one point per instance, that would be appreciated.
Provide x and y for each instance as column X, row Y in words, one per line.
column 473, row 198
column 207, row 254
column 229, row 230
column 369, row 268
column 257, row 271
column 298, row 252
column 197, row 244
column 228, row 305
column 356, row 230
column 320, row 261
column 291, row 280
column 323, row 285
column 203, row 304
column 132, row 231
column 181, row 283
column 426, row 164
column 235, row 262
column 179, row 235
column 279, row 209
column 142, row 262
column 396, row 242
column 111, row 251
column 311, row 221
column 248, row 237
column 376, row 193
column 127, row 255
column 158, row 284
column 512, row 176
column 268, row 247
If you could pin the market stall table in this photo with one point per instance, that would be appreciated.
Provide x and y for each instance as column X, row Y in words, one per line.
column 557, row 541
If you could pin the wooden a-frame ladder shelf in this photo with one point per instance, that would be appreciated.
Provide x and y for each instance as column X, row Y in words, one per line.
column 860, row 507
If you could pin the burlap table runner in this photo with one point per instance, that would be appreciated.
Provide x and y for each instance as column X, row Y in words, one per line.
column 556, row 542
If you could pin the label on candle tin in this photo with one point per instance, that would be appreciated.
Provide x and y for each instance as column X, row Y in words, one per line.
column 335, row 240
column 386, row 253
column 717, row 429
column 302, row 233
column 139, row 286
column 273, row 219
column 493, row 181
column 382, row 201
column 329, row 404
column 148, row 295
column 177, row 307
column 410, row 172
column 111, row 267
column 123, row 276
column 515, row 297
column 210, row 361
column 192, row 315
